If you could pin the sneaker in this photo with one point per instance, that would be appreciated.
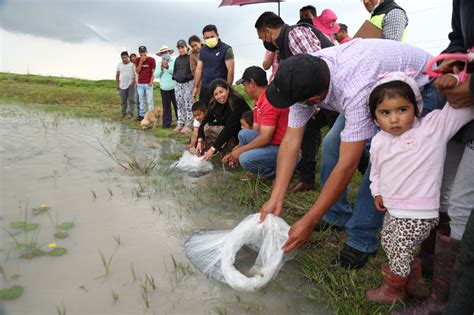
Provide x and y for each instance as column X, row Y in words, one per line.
column 247, row 176
column 139, row 118
column 351, row 258
column 178, row 128
column 186, row 130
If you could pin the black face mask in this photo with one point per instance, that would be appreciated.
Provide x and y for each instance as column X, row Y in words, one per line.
column 270, row 46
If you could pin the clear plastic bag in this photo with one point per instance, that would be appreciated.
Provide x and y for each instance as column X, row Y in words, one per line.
column 214, row 252
column 192, row 165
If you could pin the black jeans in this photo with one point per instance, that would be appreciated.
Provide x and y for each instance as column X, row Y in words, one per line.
column 166, row 98
column 462, row 286
column 205, row 96
column 311, row 142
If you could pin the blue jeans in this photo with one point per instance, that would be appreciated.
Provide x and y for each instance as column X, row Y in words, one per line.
column 261, row 161
column 145, row 93
column 429, row 99
column 364, row 222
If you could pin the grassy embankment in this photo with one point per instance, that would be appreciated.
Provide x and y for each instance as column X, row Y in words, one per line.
column 340, row 290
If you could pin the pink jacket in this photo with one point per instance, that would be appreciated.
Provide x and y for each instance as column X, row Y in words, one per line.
column 407, row 170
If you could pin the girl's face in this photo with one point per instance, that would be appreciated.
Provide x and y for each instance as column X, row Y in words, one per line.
column 221, row 95
column 196, row 46
column 244, row 124
column 199, row 115
column 395, row 115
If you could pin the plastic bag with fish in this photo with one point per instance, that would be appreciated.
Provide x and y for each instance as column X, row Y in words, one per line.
column 215, row 253
column 192, row 165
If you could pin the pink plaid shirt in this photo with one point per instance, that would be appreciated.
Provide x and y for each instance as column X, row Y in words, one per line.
column 302, row 40
column 354, row 69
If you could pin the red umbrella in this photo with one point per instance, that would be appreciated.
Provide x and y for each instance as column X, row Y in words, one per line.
column 245, row 2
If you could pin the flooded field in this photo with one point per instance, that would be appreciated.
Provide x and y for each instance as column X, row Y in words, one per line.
column 93, row 222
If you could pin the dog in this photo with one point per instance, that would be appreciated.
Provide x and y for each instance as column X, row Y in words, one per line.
column 151, row 118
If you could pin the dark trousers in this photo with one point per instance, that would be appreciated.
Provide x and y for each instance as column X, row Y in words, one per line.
column 311, row 142
column 462, row 285
column 205, row 96
column 166, row 98
column 128, row 95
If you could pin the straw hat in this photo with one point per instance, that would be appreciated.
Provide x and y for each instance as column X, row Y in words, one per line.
column 164, row 49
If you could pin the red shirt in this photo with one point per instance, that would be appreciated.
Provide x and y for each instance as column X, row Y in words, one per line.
column 264, row 114
column 148, row 68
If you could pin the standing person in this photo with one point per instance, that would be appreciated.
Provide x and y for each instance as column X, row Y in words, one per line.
column 219, row 130
column 407, row 158
column 196, row 45
column 326, row 23
column 306, row 81
column 184, row 87
column 216, row 60
column 133, row 59
column 258, row 147
column 291, row 40
column 389, row 17
column 454, row 246
column 145, row 67
column 342, row 36
column 164, row 72
column 125, row 81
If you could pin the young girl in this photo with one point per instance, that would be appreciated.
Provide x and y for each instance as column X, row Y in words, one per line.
column 407, row 158
column 199, row 110
column 246, row 121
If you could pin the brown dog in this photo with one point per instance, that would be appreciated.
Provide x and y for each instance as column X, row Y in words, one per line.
column 151, row 118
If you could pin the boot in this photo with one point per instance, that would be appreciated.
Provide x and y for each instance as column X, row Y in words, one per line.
column 446, row 251
column 416, row 286
column 427, row 249
column 392, row 289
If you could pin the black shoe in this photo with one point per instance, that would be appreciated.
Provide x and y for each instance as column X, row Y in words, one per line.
column 324, row 226
column 139, row 118
column 351, row 258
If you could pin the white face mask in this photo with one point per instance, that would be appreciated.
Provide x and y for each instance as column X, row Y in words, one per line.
column 375, row 7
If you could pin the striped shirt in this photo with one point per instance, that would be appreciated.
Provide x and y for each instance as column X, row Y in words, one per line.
column 354, row 68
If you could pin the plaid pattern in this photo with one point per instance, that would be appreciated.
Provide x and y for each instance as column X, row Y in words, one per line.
column 354, row 68
column 394, row 24
column 302, row 40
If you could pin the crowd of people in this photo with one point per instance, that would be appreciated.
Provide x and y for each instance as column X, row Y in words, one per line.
column 409, row 135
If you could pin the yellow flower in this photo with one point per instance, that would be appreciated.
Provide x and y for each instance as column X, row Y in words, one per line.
column 52, row 245
column 42, row 205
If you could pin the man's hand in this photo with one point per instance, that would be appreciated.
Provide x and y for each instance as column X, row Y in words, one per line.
column 459, row 96
column 298, row 234
column 271, row 206
column 142, row 59
column 378, row 202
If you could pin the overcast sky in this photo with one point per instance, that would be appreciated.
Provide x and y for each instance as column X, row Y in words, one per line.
column 84, row 38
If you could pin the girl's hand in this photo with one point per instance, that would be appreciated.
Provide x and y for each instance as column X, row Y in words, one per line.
column 199, row 149
column 378, row 202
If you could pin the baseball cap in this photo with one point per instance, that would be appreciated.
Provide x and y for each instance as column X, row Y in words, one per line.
column 298, row 78
column 142, row 49
column 181, row 42
column 254, row 73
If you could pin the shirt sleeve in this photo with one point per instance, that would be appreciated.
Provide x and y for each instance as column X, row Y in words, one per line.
column 270, row 117
column 447, row 121
column 374, row 168
column 171, row 66
column 158, row 72
column 394, row 24
column 229, row 54
column 232, row 125
column 299, row 115
column 302, row 40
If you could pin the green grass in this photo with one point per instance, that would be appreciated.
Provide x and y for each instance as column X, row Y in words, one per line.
column 343, row 292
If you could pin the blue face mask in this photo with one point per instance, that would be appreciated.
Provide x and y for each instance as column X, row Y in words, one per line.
column 166, row 56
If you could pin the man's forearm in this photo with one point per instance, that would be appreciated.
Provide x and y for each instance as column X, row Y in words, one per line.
column 230, row 76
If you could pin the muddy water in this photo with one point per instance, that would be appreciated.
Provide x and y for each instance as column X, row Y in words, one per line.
column 138, row 222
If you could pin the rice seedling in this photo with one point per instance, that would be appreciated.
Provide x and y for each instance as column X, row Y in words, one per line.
column 61, row 309
column 181, row 270
column 14, row 277
column 110, row 192
column 149, row 280
column 145, row 297
column 11, row 293
column 134, row 275
column 115, row 296
column 93, row 193
column 43, row 208
column 220, row 311
column 117, row 240
column 105, row 263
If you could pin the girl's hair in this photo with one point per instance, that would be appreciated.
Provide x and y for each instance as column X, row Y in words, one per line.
column 199, row 106
column 248, row 117
column 233, row 94
column 391, row 90
column 193, row 38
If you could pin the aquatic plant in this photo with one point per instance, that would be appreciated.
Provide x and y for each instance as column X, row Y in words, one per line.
column 105, row 263
column 11, row 293
column 144, row 294
column 93, row 193
column 61, row 309
column 117, row 240
column 115, row 296
column 132, row 269
column 149, row 280
column 41, row 209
